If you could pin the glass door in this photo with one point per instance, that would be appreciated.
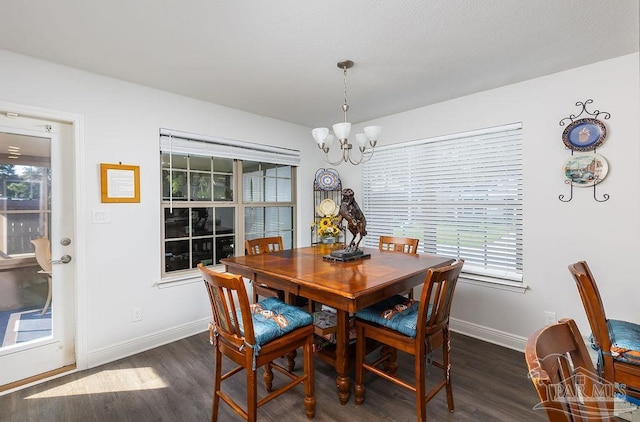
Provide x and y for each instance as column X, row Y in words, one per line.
column 37, row 328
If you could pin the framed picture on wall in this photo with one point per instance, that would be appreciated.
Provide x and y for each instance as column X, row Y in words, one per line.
column 119, row 183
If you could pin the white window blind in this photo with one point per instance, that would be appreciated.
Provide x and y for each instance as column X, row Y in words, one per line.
column 461, row 195
column 178, row 142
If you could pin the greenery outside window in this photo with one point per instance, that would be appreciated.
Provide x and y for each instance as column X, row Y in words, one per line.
column 25, row 207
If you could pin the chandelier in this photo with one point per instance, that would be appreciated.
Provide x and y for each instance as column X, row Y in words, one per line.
column 366, row 141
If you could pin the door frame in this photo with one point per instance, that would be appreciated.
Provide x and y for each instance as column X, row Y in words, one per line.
column 80, row 222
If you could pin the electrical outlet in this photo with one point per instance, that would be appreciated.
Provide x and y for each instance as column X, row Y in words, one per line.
column 136, row 314
column 550, row 318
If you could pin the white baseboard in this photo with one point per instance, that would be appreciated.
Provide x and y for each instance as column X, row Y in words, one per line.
column 487, row 334
column 131, row 347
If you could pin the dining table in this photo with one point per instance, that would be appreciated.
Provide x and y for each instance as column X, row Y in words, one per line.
column 346, row 286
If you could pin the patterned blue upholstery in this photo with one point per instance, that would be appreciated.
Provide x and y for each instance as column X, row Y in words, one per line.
column 396, row 313
column 625, row 341
column 272, row 319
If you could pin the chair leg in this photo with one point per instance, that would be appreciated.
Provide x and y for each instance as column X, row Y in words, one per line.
column 390, row 364
column 446, row 354
column 421, row 388
column 216, row 385
column 252, row 395
column 359, row 370
column 309, row 383
column 291, row 360
column 268, row 377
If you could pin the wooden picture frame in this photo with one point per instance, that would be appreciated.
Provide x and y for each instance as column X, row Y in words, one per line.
column 119, row 183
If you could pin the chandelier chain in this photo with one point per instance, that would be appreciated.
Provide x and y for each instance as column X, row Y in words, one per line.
column 345, row 107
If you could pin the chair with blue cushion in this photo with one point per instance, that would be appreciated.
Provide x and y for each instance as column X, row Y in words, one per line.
column 416, row 328
column 252, row 336
column 617, row 342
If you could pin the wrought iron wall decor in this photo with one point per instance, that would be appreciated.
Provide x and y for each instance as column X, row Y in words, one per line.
column 327, row 194
column 585, row 134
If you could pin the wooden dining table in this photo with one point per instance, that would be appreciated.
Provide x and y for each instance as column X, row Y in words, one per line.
column 345, row 286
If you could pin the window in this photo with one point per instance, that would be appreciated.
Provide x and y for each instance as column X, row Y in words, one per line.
column 214, row 196
column 25, row 203
column 267, row 197
column 461, row 195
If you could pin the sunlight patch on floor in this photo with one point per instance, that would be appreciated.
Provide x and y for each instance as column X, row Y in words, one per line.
column 107, row 381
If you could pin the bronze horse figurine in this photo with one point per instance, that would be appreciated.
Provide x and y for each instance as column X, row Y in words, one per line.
column 356, row 223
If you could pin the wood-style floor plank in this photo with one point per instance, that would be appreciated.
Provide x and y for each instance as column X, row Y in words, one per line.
column 174, row 383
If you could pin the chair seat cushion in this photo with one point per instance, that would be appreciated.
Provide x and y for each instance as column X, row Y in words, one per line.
column 273, row 318
column 397, row 313
column 625, row 341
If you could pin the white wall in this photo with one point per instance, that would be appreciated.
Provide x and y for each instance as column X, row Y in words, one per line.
column 556, row 233
column 121, row 123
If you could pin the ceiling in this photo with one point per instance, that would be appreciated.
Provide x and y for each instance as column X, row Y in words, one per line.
column 278, row 58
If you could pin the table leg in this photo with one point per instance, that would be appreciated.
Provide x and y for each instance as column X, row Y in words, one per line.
column 342, row 357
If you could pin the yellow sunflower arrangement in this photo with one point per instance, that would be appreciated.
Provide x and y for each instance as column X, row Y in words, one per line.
column 327, row 228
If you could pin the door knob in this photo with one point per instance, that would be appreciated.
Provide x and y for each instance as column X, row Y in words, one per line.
column 64, row 259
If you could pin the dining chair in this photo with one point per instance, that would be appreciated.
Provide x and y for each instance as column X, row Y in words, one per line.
column 43, row 258
column 617, row 342
column 259, row 246
column 252, row 336
column 416, row 328
column 399, row 244
column 563, row 375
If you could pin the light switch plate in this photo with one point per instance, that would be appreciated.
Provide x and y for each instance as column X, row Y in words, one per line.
column 100, row 216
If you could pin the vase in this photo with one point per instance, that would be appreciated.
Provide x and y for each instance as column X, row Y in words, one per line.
column 329, row 240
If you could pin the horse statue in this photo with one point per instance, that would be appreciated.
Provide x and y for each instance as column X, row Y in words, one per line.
column 356, row 223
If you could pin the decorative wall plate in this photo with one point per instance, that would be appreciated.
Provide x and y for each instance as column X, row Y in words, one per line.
column 327, row 179
column 584, row 170
column 584, row 134
column 327, row 208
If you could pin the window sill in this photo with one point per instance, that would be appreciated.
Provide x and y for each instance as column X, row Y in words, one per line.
column 185, row 278
column 494, row 283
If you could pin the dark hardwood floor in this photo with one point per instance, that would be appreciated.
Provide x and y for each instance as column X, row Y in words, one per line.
column 174, row 383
